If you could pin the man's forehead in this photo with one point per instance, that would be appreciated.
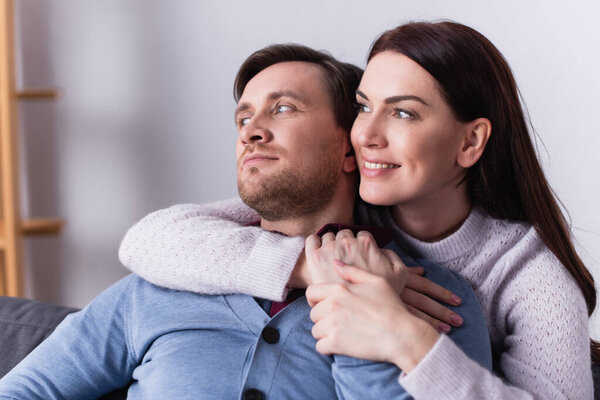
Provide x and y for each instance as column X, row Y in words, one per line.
column 298, row 79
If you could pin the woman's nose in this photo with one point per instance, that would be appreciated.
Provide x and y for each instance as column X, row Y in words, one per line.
column 369, row 131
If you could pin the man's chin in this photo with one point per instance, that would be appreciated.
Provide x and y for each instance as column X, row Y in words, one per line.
column 285, row 195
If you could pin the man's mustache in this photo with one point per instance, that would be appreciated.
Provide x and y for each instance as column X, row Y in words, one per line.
column 261, row 148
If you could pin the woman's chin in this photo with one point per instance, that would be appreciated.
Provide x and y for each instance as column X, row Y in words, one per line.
column 376, row 197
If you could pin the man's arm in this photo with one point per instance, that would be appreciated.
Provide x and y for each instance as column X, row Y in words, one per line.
column 211, row 249
column 86, row 356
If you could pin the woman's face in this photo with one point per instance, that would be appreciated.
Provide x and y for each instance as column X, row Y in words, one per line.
column 406, row 137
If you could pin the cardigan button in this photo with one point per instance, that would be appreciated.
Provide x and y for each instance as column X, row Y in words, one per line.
column 270, row 335
column 253, row 394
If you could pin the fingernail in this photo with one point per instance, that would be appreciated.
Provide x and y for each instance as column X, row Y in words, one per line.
column 454, row 299
column 339, row 262
column 444, row 328
column 456, row 319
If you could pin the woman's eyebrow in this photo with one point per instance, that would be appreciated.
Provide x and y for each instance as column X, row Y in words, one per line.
column 361, row 94
column 396, row 99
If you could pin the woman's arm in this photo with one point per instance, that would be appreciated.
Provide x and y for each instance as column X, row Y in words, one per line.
column 544, row 351
column 211, row 249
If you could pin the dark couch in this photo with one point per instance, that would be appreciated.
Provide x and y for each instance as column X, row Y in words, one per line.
column 25, row 323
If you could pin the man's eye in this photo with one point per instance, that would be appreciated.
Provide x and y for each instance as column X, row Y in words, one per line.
column 244, row 121
column 362, row 108
column 282, row 108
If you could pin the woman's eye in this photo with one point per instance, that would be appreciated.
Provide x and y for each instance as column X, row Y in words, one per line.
column 362, row 108
column 403, row 114
column 281, row 109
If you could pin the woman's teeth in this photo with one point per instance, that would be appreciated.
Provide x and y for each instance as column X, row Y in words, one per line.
column 371, row 165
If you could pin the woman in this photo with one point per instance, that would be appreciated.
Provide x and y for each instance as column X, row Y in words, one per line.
column 441, row 138
column 442, row 142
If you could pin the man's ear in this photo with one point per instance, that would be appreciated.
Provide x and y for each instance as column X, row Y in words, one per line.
column 474, row 141
column 349, row 164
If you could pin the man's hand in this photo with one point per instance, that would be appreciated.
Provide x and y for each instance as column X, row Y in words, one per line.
column 320, row 257
column 300, row 278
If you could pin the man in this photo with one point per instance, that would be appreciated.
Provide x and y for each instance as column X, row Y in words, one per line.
column 296, row 169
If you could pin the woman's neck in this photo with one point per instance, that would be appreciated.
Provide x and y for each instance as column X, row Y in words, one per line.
column 433, row 219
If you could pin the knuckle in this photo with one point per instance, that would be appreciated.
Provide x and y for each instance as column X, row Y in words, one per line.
column 344, row 233
column 328, row 236
column 346, row 242
column 322, row 347
column 313, row 316
column 366, row 241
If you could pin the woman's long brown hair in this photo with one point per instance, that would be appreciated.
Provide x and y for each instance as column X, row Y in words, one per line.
column 508, row 181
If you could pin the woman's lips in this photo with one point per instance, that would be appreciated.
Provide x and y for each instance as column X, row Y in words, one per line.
column 377, row 168
column 374, row 165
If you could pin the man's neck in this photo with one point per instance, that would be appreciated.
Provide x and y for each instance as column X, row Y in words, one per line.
column 340, row 210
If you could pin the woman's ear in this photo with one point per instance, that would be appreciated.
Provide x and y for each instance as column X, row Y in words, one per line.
column 476, row 137
column 349, row 164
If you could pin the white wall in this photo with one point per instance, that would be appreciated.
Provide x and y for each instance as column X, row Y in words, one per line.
column 145, row 119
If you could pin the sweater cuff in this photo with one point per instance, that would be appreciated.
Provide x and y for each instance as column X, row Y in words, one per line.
column 440, row 375
column 267, row 270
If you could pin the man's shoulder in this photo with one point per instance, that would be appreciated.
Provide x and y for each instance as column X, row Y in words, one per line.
column 436, row 273
column 139, row 297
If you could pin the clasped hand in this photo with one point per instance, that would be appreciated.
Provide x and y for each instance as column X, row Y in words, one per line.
column 361, row 294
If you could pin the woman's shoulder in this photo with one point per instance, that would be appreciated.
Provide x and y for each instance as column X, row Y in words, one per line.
column 523, row 258
column 516, row 239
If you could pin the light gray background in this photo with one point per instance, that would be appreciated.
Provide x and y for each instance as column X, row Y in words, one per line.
column 145, row 120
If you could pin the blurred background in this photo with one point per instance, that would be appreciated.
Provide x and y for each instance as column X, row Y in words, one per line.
column 145, row 119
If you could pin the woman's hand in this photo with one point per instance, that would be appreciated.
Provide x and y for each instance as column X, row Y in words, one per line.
column 365, row 318
column 421, row 297
column 418, row 293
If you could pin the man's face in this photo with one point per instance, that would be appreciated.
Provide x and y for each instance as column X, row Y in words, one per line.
column 290, row 149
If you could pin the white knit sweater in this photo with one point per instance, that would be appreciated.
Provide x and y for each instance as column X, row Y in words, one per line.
column 536, row 313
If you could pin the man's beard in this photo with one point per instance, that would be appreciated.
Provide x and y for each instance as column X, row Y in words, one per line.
column 286, row 195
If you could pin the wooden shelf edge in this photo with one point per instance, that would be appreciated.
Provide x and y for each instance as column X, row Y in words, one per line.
column 42, row 226
column 37, row 93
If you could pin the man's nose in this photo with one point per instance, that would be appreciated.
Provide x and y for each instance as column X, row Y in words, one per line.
column 255, row 132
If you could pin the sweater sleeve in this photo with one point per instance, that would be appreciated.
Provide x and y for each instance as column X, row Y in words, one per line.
column 210, row 249
column 544, row 351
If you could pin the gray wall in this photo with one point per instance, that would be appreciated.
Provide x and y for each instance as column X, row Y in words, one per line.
column 145, row 120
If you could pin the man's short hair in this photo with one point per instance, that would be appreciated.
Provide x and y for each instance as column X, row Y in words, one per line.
column 341, row 79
